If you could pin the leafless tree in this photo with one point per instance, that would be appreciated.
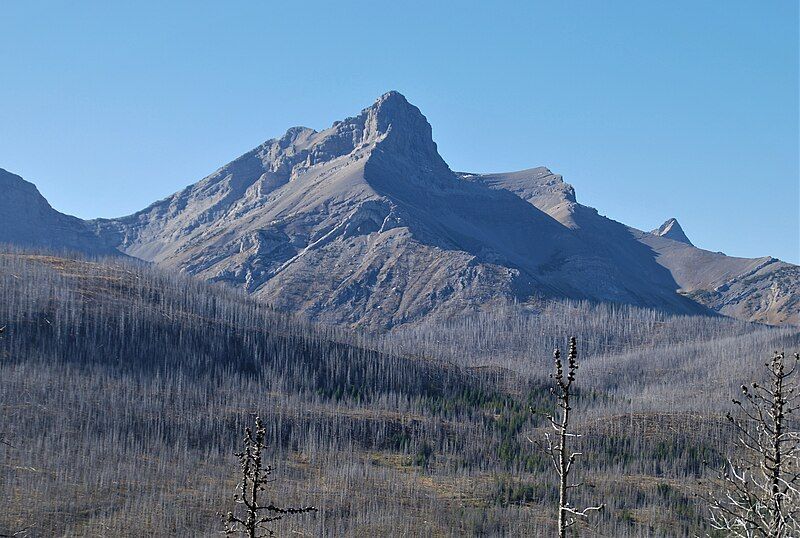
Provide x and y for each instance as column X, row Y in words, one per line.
column 256, row 516
column 761, row 497
column 557, row 445
column 3, row 439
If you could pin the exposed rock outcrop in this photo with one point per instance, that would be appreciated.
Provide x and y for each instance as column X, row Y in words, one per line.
column 672, row 230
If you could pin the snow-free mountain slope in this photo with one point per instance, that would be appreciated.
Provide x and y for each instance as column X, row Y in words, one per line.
column 538, row 186
column 27, row 220
column 765, row 289
column 364, row 224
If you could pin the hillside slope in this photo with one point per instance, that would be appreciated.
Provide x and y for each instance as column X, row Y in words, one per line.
column 765, row 290
column 124, row 391
column 27, row 220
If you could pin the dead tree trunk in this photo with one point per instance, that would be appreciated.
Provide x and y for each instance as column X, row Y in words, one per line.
column 255, row 516
column 761, row 496
column 561, row 456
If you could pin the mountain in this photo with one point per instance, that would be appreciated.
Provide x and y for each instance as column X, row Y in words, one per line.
column 27, row 220
column 765, row 290
column 364, row 224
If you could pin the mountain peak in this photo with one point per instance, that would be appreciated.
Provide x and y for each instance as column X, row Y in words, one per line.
column 28, row 220
column 394, row 103
column 17, row 191
column 400, row 128
column 392, row 111
column 671, row 229
column 9, row 180
column 392, row 95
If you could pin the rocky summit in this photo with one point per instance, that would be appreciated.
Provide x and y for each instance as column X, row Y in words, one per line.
column 672, row 230
column 364, row 224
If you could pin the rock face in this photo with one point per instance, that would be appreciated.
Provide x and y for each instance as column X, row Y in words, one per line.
column 27, row 220
column 364, row 224
column 672, row 230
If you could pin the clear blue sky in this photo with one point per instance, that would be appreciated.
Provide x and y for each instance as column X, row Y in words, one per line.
column 650, row 109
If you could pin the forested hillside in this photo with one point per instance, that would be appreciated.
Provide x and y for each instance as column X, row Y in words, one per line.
column 124, row 391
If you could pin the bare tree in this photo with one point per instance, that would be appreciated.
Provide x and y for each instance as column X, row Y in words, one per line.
column 256, row 516
column 563, row 459
column 3, row 440
column 761, row 496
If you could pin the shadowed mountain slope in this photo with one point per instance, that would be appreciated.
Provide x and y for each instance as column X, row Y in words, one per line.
column 766, row 289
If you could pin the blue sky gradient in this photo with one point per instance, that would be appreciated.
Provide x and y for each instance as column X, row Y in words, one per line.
column 650, row 109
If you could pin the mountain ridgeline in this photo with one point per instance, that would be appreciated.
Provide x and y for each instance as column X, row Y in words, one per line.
column 26, row 219
column 365, row 225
